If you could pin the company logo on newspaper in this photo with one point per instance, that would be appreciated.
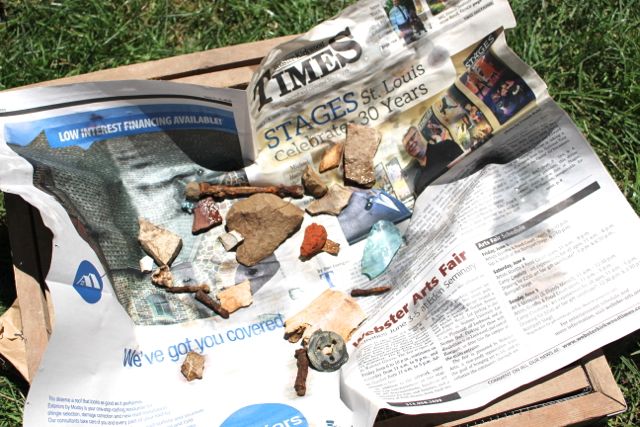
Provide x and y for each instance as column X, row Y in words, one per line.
column 266, row 415
column 88, row 282
column 342, row 50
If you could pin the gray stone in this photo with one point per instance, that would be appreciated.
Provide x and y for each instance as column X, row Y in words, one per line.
column 230, row 240
column 336, row 199
column 265, row 221
column 313, row 184
column 359, row 150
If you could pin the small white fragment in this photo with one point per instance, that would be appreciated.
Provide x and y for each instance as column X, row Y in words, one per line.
column 230, row 240
column 146, row 264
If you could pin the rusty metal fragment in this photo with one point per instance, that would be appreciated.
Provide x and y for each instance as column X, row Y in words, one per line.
column 330, row 311
column 197, row 190
column 212, row 304
column 360, row 148
column 162, row 245
column 302, row 362
column 193, row 366
column 371, row 291
column 236, row 297
column 331, row 157
column 189, row 289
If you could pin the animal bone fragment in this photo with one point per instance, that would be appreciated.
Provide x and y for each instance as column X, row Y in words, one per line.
column 162, row 277
column 162, row 245
column 330, row 311
column 236, row 297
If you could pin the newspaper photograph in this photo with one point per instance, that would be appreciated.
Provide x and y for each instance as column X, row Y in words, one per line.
column 389, row 217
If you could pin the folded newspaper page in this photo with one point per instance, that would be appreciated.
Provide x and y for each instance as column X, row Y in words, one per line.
column 506, row 271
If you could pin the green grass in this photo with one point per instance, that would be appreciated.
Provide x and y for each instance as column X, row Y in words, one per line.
column 588, row 52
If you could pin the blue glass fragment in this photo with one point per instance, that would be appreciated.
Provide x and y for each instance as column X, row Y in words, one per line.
column 383, row 242
column 188, row 206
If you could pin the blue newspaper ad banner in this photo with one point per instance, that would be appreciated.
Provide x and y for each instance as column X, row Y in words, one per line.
column 83, row 129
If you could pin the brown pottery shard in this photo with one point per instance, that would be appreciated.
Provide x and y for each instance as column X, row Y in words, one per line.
column 193, row 366
column 360, row 148
column 331, row 311
column 205, row 216
column 331, row 157
column 265, row 221
column 235, row 297
column 313, row 184
column 336, row 199
column 161, row 245
column 197, row 190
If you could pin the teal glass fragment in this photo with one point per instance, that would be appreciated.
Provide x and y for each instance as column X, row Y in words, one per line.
column 383, row 242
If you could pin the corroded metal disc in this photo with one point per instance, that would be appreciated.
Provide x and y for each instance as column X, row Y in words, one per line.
column 327, row 351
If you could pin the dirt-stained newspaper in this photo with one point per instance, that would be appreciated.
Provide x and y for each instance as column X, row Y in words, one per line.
column 518, row 248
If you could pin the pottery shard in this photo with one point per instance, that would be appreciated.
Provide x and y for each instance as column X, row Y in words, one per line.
column 230, row 240
column 359, row 149
column 331, row 157
column 313, row 184
column 315, row 237
column 336, row 199
column 161, row 245
column 331, row 311
column 235, row 297
column 265, row 221
column 205, row 216
column 193, row 366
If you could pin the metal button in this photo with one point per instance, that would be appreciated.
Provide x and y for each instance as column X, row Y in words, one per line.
column 327, row 351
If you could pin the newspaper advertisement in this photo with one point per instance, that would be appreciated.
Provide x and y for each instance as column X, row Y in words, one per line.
column 501, row 278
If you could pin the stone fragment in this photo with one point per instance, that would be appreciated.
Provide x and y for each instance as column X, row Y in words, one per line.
column 193, row 366
column 315, row 237
column 383, row 242
column 265, row 221
column 162, row 277
column 205, row 216
column 336, row 199
column 360, row 147
column 197, row 190
column 313, row 184
column 162, row 245
column 236, row 297
column 331, row 157
column 146, row 264
column 331, row 247
column 330, row 311
column 230, row 240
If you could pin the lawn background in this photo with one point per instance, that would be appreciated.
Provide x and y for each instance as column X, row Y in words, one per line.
column 588, row 52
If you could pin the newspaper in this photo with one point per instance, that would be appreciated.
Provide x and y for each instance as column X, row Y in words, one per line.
column 502, row 278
